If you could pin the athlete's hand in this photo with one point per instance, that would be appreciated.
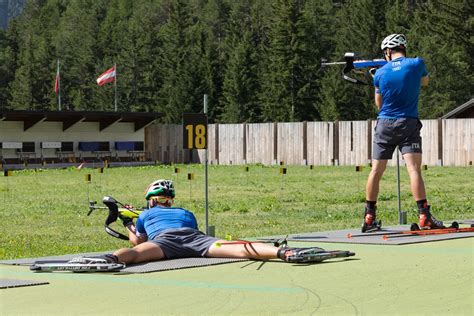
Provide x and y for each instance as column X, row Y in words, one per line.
column 372, row 71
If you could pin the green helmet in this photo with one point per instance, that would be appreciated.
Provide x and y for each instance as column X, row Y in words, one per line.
column 160, row 188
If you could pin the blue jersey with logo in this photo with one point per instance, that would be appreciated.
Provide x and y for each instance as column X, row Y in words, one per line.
column 399, row 83
column 158, row 219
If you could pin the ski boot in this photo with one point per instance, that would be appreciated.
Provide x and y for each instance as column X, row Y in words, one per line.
column 370, row 222
column 428, row 221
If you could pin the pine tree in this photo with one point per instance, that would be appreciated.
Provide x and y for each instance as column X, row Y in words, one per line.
column 179, row 58
column 213, row 16
column 241, row 82
column 112, row 42
column 29, row 60
column 287, row 93
column 7, row 69
column 139, row 51
column 76, row 45
column 446, row 44
column 360, row 28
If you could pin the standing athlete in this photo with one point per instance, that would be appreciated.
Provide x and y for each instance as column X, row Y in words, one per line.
column 397, row 87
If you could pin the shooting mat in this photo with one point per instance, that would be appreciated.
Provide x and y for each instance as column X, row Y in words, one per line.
column 341, row 236
column 163, row 265
column 9, row 283
column 176, row 264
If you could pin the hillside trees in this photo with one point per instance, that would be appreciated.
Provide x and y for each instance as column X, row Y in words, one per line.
column 287, row 87
column 179, row 59
column 244, row 45
column 446, row 43
column 360, row 29
column 258, row 60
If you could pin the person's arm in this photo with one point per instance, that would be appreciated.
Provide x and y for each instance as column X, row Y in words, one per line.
column 424, row 72
column 136, row 231
column 132, row 235
column 425, row 80
column 378, row 98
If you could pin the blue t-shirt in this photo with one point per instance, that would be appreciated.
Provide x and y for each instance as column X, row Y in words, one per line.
column 399, row 83
column 158, row 219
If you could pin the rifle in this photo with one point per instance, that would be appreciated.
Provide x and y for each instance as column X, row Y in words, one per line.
column 351, row 63
column 114, row 212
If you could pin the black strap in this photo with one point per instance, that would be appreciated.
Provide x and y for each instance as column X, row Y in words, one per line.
column 348, row 68
column 113, row 215
column 115, row 233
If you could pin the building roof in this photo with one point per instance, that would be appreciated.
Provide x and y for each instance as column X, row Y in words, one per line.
column 465, row 110
column 69, row 118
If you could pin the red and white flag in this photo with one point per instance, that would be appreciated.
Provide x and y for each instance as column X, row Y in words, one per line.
column 106, row 77
column 57, row 81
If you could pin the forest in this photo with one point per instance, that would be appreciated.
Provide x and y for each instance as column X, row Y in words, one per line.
column 257, row 60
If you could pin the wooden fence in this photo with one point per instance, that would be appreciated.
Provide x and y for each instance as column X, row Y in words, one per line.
column 445, row 142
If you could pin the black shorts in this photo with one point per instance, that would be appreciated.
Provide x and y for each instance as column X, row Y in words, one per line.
column 401, row 132
column 184, row 243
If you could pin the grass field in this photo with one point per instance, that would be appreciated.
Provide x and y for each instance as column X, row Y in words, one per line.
column 432, row 278
column 44, row 212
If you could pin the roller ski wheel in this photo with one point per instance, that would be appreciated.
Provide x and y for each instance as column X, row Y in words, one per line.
column 375, row 226
column 414, row 227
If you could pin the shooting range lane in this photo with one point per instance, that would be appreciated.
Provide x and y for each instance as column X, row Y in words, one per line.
column 156, row 266
column 377, row 280
column 376, row 237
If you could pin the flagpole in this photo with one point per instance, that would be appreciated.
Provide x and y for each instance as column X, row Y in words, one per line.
column 59, row 87
column 115, row 85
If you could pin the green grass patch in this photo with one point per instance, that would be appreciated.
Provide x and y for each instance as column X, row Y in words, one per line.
column 44, row 212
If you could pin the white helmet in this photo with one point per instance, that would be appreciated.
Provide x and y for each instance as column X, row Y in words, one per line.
column 160, row 188
column 394, row 40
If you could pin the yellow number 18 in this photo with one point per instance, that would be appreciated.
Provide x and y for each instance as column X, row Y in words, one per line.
column 196, row 136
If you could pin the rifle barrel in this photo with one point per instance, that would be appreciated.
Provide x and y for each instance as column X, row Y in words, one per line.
column 334, row 63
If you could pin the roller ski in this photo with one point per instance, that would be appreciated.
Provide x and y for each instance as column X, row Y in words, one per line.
column 308, row 255
column 415, row 227
column 79, row 264
column 428, row 221
column 370, row 224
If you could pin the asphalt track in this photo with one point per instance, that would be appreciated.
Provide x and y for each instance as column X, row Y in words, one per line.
column 433, row 278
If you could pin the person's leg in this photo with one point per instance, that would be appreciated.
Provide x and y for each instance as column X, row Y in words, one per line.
column 259, row 251
column 371, row 193
column 413, row 162
column 426, row 219
column 143, row 252
column 373, row 182
column 384, row 144
column 263, row 251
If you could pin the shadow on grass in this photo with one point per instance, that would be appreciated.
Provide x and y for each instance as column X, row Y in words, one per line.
column 262, row 263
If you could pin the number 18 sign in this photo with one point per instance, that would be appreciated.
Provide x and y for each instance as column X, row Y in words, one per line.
column 194, row 131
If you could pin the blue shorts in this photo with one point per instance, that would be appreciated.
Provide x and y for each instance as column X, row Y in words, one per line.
column 401, row 132
column 184, row 243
